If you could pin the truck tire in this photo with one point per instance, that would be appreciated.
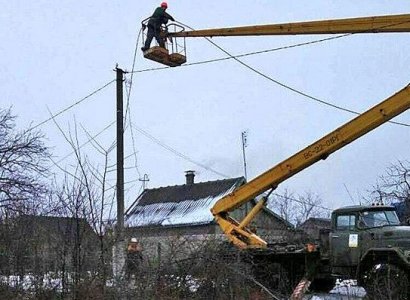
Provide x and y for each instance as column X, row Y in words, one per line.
column 322, row 285
column 386, row 281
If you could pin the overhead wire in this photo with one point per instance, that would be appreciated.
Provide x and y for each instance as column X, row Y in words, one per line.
column 134, row 150
column 297, row 91
column 132, row 71
column 246, row 54
column 72, row 105
column 92, row 138
column 53, row 116
column 128, row 109
column 230, row 56
column 177, row 153
column 302, row 202
column 183, row 156
column 89, row 140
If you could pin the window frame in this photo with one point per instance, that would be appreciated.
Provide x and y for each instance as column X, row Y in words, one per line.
column 351, row 226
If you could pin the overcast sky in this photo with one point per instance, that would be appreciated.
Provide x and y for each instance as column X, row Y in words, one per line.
column 53, row 53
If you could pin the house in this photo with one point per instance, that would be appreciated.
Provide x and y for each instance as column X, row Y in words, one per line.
column 313, row 226
column 182, row 212
column 39, row 244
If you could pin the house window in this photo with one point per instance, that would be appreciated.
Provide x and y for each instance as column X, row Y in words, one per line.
column 346, row 222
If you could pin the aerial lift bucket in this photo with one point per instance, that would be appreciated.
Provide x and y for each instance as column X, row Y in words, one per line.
column 174, row 53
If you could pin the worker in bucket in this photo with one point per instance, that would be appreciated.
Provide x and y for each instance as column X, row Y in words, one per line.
column 159, row 17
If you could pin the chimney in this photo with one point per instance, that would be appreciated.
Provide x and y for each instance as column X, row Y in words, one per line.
column 190, row 176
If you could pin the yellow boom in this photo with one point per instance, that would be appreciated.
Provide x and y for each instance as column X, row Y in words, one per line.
column 321, row 149
column 389, row 23
column 238, row 232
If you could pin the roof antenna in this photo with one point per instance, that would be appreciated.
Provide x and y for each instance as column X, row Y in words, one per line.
column 351, row 198
column 144, row 180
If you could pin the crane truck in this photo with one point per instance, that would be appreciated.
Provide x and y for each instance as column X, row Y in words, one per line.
column 366, row 243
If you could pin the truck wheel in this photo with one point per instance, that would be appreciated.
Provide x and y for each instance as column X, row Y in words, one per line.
column 386, row 281
column 322, row 285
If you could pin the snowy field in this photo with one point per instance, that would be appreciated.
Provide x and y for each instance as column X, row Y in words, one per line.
column 27, row 282
column 345, row 290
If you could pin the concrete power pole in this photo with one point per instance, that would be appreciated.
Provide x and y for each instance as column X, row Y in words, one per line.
column 119, row 245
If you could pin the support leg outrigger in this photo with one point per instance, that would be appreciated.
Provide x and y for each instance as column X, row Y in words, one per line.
column 312, row 261
column 301, row 289
column 238, row 232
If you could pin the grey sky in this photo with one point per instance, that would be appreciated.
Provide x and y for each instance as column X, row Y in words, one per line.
column 55, row 52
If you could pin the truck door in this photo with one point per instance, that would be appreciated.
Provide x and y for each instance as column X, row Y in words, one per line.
column 344, row 241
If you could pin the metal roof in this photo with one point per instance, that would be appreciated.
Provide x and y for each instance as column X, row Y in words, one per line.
column 180, row 204
column 316, row 222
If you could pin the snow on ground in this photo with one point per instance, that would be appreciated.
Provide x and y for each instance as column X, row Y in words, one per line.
column 344, row 290
column 27, row 282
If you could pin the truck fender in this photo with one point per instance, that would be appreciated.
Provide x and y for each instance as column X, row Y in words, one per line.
column 381, row 255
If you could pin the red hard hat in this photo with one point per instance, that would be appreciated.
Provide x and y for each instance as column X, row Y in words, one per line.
column 164, row 5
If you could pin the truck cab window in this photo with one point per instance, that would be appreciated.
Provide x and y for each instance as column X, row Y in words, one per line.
column 346, row 222
column 379, row 218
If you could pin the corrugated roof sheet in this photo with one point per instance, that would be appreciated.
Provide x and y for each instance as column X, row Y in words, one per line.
column 179, row 205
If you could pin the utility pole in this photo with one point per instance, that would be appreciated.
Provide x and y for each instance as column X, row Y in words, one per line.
column 244, row 145
column 119, row 245
column 120, row 154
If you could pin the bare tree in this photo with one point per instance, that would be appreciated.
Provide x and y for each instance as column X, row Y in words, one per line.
column 298, row 208
column 23, row 164
column 198, row 268
column 310, row 206
column 85, row 195
column 394, row 186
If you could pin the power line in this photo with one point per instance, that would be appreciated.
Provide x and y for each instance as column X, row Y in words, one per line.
column 324, row 102
column 235, row 57
column 88, row 141
column 302, row 202
column 247, row 54
column 177, row 153
column 133, row 142
column 72, row 105
column 132, row 72
column 128, row 108
column 162, row 144
column 125, row 183
column 294, row 89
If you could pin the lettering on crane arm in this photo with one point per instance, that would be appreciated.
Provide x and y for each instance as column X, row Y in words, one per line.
column 321, row 146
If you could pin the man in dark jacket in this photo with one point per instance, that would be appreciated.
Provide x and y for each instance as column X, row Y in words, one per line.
column 158, row 18
column 134, row 258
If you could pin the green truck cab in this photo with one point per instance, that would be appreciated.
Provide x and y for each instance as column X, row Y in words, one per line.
column 369, row 243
